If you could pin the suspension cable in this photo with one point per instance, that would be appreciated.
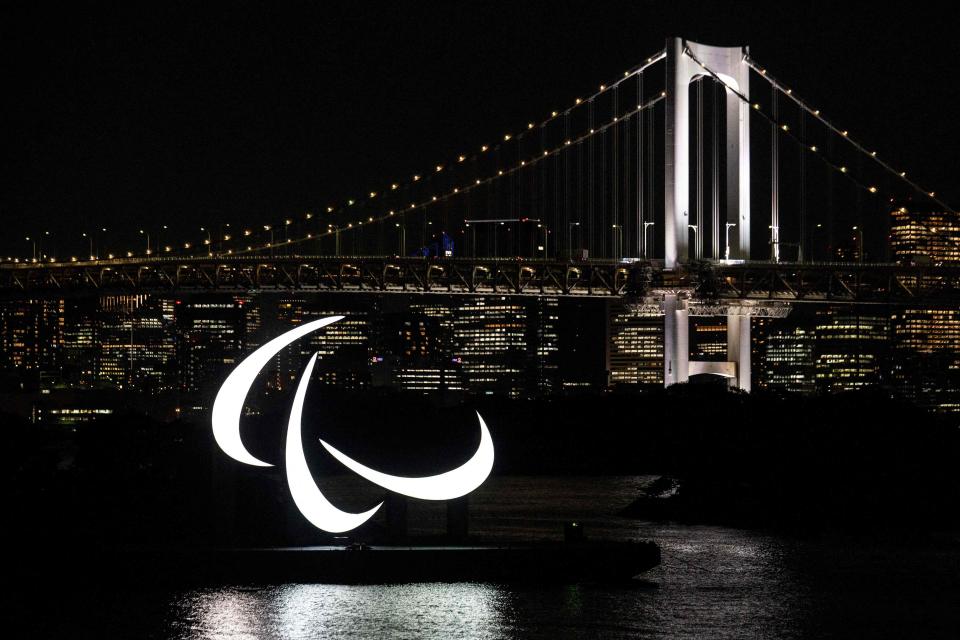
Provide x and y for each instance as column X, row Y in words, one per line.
column 827, row 161
column 841, row 132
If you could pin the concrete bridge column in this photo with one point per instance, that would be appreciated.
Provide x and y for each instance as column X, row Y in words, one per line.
column 738, row 348
column 676, row 340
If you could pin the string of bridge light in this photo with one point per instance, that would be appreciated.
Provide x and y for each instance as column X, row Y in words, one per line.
column 479, row 182
column 843, row 133
column 842, row 169
column 465, row 158
column 395, row 186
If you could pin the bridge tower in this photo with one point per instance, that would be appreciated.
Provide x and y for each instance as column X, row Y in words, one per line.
column 728, row 63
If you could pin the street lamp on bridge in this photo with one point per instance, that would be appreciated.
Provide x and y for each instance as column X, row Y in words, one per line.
column 570, row 227
column 726, row 251
column 696, row 241
column 858, row 234
column 646, row 244
column 617, row 240
column 403, row 239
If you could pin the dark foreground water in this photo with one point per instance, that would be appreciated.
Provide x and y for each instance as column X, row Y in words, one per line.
column 715, row 582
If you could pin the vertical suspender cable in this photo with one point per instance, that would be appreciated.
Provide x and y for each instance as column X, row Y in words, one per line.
column 715, row 232
column 641, row 194
column 651, row 157
column 775, row 181
column 615, row 196
column 698, row 225
column 566, row 185
column 802, row 246
column 628, row 222
column 591, row 182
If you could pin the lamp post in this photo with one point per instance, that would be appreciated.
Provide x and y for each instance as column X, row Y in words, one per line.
column 696, row 241
column 90, row 239
column 403, row 239
column 859, row 234
column 40, row 247
column 269, row 228
column 336, row 235
column 543, row 247
column 617, row 240
column 646, row 244
column 34, row 243
column 726, row 251
column 473, row 239
column 147, row 233
column 570, row 227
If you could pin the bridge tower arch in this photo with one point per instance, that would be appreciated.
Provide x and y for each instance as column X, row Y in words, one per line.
column 729, row 64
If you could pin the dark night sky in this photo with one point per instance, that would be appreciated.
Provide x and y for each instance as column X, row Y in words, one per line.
column 121, row 116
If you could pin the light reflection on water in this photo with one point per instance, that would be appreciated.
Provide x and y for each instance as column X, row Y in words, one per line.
column 714, row 582
column 361, row 611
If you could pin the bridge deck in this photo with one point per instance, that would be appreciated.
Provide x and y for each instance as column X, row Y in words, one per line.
column 788, row 282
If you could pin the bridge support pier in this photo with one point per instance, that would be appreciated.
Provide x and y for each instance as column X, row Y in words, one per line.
column 677, row 307
column 738, row 347
column 676, row 340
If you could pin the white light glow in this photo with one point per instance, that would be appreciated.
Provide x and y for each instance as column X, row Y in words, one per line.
column 445, row 486
column 229, row 402
column 306, row 495
column 311, row 502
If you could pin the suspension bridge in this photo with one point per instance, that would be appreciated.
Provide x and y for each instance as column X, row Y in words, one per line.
column 696, row 183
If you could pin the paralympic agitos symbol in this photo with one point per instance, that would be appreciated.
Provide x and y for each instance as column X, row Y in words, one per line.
column 306, row 494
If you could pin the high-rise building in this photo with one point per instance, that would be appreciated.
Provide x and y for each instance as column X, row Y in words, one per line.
column 343, row 348
column 925, row 357
column 31, row 332
column 136, row 340
column 547, row 341
column 708, row 338
column 926, row 341
column 924, row 237
column 210, row 341
column 788, row 362
column 81, row 350
column 583, row 358
column 849, row 348
column 416, row 351
column 635, row 345
column 493, row 345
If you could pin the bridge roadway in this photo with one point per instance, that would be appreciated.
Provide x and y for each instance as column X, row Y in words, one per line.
column 787, row 282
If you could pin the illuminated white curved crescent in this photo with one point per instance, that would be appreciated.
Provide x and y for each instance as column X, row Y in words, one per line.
column 445, row 486
column 311, row 502
column 306, row 495
column 229, row 402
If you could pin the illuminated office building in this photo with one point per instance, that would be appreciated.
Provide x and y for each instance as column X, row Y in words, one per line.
column 924, row 237
column 850, row 348
column 926, row 357
column 788, row 360
column 417, row 350
column 136, row 344
column 547, row 341
column 31, row 335
column 926, row 341
column 635, row 345
column 708, row 338
column 81, row 350
column 343, row 348
column 493, row 345
column 210, row 334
